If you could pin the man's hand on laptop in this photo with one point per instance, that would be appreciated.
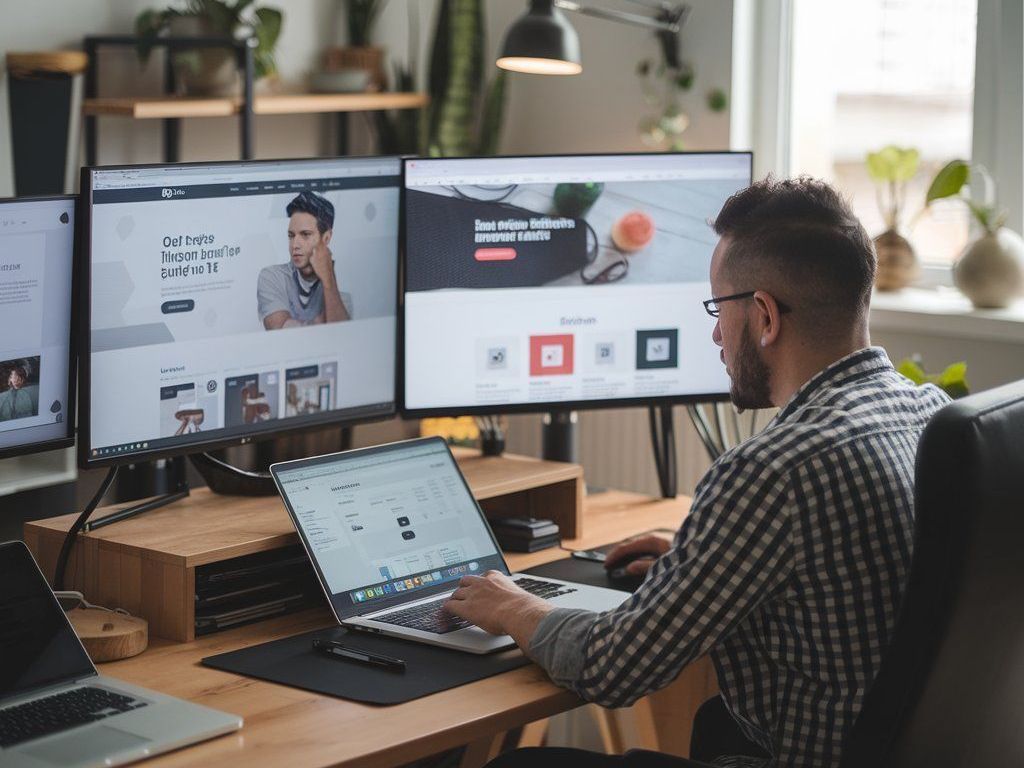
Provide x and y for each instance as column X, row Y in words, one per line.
column 495, row 604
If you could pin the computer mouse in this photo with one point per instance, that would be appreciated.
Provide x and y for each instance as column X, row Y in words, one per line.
column 620, row 578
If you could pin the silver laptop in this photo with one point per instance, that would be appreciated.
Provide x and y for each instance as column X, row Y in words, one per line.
column 55, row 709
column 391, row 530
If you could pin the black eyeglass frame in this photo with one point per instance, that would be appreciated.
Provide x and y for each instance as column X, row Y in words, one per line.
column 712, row 308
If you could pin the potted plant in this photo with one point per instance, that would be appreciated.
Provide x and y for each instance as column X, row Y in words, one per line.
column 212, row 71
column 952, row 381
column 360, row 53
column 891, row 168
column 990, row 272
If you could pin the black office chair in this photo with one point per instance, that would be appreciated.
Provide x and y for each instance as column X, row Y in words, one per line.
column 950, row 690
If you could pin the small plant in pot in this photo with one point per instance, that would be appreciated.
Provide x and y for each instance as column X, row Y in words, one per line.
column 990, row 271
column 212, row 71
column 360, row 53
column 891, row 168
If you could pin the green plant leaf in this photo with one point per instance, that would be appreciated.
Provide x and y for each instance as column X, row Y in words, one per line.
column 956, row 372
column 906, row 164
column 717, row 100
column 892, row 163
column 268, row 28
column 912, row 371
column 948, row 181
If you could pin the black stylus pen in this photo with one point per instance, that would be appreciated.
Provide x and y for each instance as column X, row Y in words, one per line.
column 336, row 650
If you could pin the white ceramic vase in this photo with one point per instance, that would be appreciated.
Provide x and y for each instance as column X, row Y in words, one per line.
column 990, row 272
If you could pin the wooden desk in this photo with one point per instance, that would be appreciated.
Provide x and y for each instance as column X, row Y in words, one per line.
column 287, row 726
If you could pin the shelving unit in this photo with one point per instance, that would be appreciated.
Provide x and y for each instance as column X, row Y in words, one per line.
column 172, row 109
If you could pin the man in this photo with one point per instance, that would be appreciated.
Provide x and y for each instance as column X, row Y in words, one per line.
column 20, row 399
column 304, row 291
column 789, row 568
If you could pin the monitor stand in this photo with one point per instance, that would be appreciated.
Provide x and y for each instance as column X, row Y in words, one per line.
column 559, row 437
column 663, row 441
column 220, row 476
column 560, row 442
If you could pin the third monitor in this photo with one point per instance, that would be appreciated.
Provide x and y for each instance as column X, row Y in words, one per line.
column 543, row 283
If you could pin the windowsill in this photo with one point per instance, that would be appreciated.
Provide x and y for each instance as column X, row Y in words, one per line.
column 945, row 312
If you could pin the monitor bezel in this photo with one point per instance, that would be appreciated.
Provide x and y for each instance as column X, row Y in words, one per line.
column 532, row 407
column 76, row 264
column 331, row 420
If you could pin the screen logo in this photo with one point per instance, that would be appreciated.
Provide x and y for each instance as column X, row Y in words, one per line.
column 169, row 192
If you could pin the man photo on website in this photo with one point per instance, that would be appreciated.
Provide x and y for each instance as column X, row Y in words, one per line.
column 305, row 290
column 19, row 389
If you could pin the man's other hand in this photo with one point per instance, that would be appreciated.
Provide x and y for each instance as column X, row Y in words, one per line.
column 322, row 261
column 651, row 545
column 495, row 604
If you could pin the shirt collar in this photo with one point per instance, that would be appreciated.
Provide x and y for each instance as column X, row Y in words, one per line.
column 854, row 366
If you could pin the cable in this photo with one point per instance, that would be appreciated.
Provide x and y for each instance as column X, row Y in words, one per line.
column 69, row 540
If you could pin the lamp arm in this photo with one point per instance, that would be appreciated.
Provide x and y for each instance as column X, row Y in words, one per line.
column 672, row 25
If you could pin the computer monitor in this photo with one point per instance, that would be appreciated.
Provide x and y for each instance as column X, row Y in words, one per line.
column 554, row 283
column 233, row 301
column 37, row 353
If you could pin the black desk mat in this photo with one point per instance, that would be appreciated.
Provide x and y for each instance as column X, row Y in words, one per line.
column 291, row 661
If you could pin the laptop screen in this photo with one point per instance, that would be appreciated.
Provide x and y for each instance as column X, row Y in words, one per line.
column 38, row 648
column 388, row 524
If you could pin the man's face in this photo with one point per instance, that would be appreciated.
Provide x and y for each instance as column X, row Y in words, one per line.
column 303, row 237
column 749, row 374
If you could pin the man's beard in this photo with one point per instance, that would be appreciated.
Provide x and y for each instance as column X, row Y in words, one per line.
column 751, row 378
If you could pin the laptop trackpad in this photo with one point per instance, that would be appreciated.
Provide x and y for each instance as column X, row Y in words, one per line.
column 86, row 746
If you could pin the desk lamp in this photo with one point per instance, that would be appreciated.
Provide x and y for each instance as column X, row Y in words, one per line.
column 543, row 42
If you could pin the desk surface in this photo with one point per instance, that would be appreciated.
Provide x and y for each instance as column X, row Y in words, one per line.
column 287, row 726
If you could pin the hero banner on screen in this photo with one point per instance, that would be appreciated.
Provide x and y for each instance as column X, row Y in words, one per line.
column 36, row 263
column 229, row 300
column 562, row 279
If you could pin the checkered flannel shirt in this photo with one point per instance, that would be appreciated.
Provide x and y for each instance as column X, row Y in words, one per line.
column 788, row 570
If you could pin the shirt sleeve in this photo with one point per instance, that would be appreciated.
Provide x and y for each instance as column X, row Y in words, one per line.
column 732, row 553
column 272, row 292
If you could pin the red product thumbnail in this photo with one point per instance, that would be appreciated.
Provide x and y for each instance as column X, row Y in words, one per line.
column 551, row 355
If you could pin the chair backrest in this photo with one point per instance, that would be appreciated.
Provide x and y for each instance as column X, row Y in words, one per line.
column 950, row 689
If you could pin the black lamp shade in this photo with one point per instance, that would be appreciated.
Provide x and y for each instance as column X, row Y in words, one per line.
column 542, row 41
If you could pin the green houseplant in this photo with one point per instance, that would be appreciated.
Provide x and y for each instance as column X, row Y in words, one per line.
column 465, row 114
column 360, row 53
column 952, row 380
column 212, row 71
column 990, row 272
column 891, row 168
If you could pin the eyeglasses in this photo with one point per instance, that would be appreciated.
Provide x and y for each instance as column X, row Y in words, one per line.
column 711, row 306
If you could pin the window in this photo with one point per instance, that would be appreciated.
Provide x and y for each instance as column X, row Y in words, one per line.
column 880, row 72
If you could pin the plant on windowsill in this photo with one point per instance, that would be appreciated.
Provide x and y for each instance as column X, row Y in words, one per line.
column 891, row 168
column 952, row 381
column 212, row 71
column 990, row 271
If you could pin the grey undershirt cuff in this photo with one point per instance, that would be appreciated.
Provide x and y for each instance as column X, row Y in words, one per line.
column 558, row 643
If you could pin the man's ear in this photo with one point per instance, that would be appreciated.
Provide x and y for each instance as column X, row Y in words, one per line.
column 766, row 323
column 326, row 236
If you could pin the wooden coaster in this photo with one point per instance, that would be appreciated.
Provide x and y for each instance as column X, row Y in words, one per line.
column 109, row 636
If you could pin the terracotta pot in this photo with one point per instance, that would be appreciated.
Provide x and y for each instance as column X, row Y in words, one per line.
column 366, row 57
column 897, row 264
column 990, row 272
column 203, row 71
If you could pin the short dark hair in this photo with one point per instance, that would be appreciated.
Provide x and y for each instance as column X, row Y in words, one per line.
column 799, row 237
column 320, row 208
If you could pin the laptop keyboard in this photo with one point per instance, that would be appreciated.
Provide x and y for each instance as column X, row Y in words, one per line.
column 431, row 617
column 41, row 717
